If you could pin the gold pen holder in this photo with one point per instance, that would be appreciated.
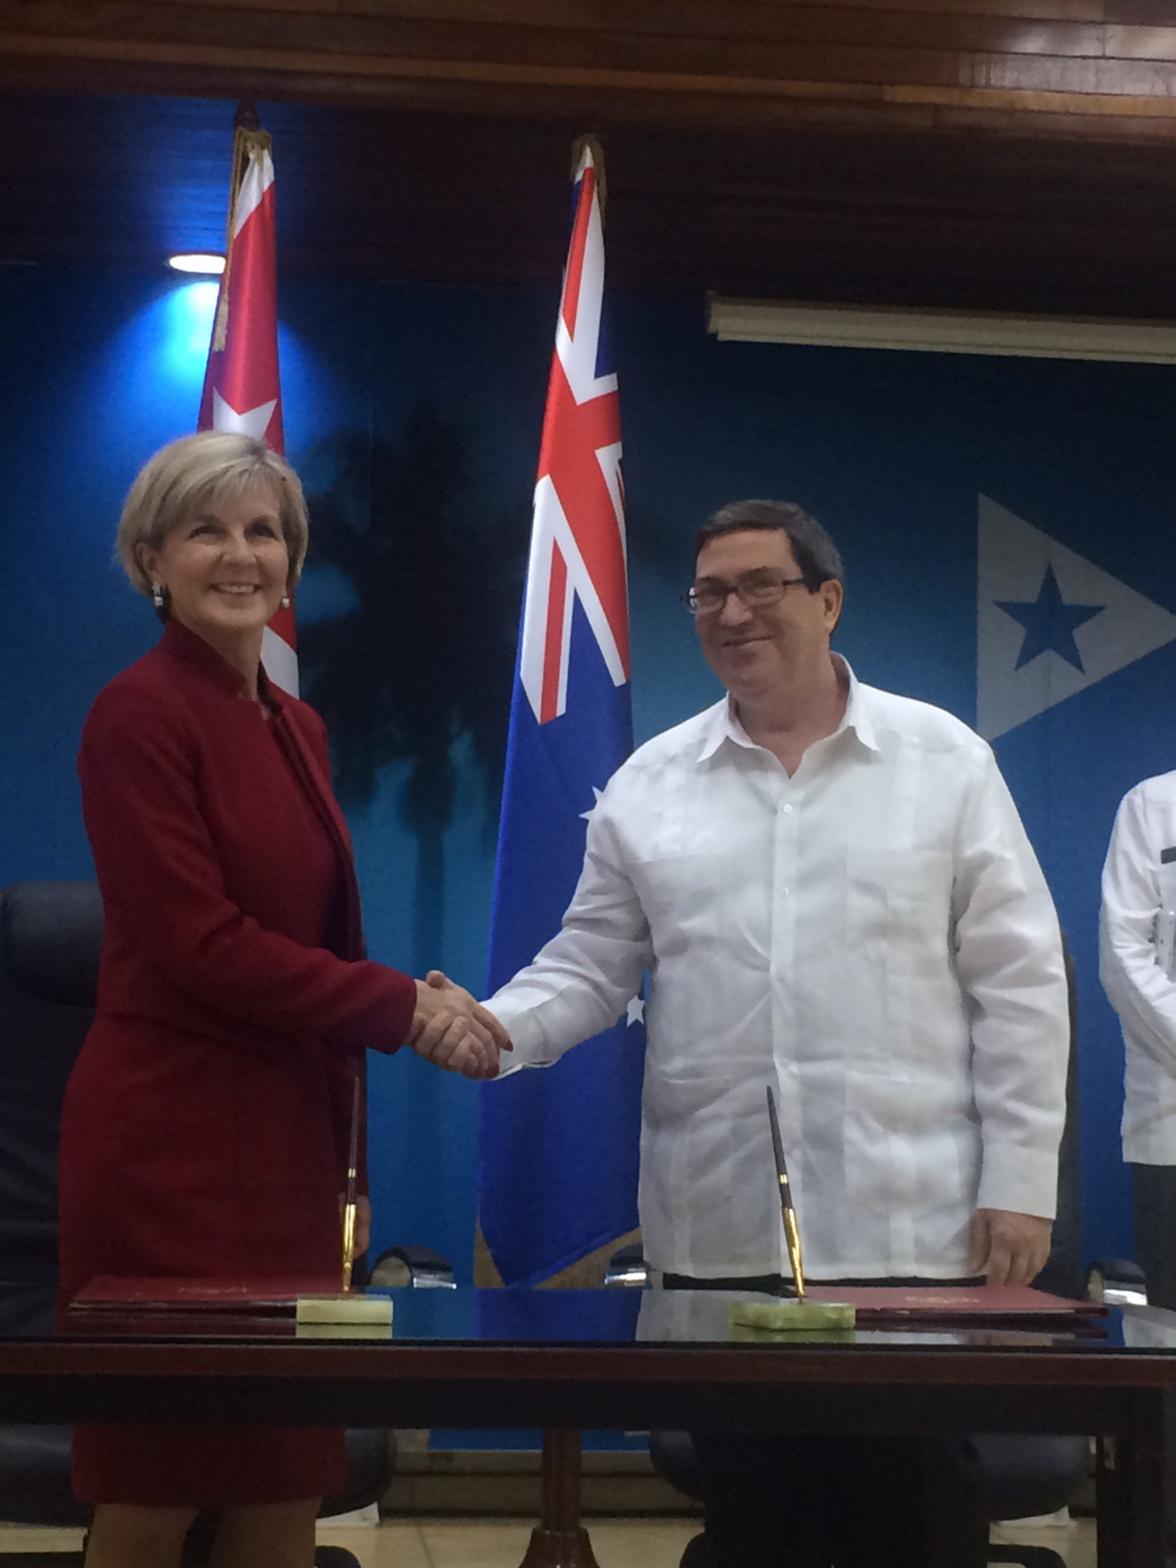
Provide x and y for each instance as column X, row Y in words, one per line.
column 348, row 1244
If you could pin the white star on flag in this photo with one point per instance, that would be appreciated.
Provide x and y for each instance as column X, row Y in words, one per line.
column 249, row 422
column 635, row 1012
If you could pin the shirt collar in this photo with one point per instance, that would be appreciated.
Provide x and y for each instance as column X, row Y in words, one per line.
column 857, row 716
column 721, row 723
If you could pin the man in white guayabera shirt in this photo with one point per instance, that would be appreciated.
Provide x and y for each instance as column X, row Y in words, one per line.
column 834, row 895
column 1138, row 966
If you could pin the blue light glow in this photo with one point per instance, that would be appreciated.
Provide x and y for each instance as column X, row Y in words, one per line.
column 188, row 314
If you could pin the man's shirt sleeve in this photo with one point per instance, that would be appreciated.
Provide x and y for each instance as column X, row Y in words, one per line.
column 1009, row 959
column 581, row 982
column 1138, row 988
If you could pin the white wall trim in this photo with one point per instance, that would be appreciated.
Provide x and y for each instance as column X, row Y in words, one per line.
column 941, row 331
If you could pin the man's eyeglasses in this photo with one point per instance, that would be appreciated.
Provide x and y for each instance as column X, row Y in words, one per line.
column 756, row 591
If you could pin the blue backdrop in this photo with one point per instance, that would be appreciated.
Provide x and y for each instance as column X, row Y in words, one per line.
column 893, row 451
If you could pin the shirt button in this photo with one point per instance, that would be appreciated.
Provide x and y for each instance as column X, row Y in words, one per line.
column 787, row 811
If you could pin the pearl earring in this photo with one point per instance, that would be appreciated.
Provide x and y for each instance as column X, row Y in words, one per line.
column 158, row 595
column 285, row 601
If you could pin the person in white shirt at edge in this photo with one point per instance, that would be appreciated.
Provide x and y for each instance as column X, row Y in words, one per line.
column 834, row 895
column 1136, row 966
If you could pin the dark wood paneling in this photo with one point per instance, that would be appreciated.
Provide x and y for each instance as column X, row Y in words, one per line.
column 598, row 95
column 744, row 43
column 671, row 21
column 1156, row 12
column 1145, row 43
column 1028, row 10
column 989, row 154
column 910, row 218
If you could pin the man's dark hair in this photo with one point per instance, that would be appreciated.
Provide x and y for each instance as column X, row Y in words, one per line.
column 817, row 557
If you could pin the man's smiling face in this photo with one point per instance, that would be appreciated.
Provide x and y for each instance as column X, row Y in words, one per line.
column 757, row 650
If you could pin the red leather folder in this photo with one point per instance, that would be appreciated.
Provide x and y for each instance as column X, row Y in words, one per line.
column 115, row 1293
column 942, row 1303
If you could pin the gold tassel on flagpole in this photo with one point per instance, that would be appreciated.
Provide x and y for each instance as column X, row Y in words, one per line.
column 248, row 138
column 592, row 143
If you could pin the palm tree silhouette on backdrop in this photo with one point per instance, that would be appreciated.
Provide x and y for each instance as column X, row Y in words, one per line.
column 426, row 654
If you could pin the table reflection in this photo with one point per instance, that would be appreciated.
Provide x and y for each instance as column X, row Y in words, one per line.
column 607, row 1317
column 703, row 1317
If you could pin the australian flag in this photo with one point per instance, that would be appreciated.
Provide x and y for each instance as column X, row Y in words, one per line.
column 558, row 1149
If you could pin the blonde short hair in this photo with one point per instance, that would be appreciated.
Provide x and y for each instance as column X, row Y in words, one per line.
column 203, row 470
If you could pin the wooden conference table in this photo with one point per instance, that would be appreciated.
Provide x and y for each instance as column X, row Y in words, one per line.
column 565, row 1361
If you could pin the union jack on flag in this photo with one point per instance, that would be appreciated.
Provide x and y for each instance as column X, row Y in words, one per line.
column 557, row 1170
column 578, row 532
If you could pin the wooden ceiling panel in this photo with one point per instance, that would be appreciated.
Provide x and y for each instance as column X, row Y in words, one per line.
column 752, row 48
column 505, row 27
column 1144, row 12
column 998, row 154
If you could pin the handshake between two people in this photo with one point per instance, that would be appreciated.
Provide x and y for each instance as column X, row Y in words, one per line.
column 451, row 1030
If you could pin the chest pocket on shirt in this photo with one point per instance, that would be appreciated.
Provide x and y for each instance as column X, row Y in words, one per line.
column 898, row 902
column 682, row 896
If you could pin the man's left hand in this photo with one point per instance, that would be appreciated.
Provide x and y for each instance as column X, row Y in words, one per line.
column 363, row 1224
column 1008, row 1248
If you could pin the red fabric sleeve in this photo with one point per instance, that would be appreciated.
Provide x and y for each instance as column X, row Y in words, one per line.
column 156, row 865
column 342, row 1069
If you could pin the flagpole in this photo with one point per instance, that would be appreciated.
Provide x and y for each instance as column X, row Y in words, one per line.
column 573, row 1133
column 591, row 144
column 560, row 1540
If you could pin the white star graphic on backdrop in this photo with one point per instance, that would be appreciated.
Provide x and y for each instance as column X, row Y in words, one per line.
column 249, row 422
column 586, row 816
column 1050, row 623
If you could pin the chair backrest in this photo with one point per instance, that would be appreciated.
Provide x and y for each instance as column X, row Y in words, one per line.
column 420, row 1267
column 50, row 943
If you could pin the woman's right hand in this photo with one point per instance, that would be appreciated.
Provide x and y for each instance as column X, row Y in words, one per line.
column 451, row 1030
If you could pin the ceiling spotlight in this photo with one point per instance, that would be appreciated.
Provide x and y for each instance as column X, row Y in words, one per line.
column 198, row 261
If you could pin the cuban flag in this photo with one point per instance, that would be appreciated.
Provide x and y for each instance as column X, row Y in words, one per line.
column 241, row 387
column 558, row 1149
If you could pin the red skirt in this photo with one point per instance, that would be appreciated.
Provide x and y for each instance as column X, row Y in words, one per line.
column 207, row 1467
column 181, row 1156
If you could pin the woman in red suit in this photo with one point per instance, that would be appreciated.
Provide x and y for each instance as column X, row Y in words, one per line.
column 206, row 1123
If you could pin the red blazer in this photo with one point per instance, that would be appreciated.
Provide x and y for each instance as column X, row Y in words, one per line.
column 234, row 1001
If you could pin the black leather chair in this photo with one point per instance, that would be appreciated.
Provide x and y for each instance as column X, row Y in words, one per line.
column 1024, row 1474
column 50, row 940
column 418, row 1267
